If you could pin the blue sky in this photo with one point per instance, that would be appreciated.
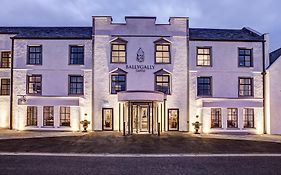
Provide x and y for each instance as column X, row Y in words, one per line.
column 261, row 15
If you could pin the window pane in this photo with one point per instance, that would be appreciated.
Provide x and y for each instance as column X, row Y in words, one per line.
column 107, row 115
column 173, row 116
column 203, row 57
column 165, row 48
column 76, row 85
column 204, row 86
column 216, row 118
column 118, row 53
column 232, row 118
column 245, row 57
column 162, row 53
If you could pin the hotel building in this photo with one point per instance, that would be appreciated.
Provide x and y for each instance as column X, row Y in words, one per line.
column 137, row 77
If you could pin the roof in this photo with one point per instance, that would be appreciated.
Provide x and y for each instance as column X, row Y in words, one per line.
column 244, row 34
column 49, row 32
column 273, row 56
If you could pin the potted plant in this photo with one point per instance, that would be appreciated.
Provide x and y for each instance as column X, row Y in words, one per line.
column 85, row 124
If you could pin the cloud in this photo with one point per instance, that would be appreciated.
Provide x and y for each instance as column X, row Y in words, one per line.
column 259, row 14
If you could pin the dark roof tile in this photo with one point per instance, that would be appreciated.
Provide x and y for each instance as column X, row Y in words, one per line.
column 273, row 56
column 49, row 32
column 243, row 34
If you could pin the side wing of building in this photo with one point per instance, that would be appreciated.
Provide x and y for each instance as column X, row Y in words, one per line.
column 225, row 80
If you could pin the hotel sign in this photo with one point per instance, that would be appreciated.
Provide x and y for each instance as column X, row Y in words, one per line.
column 140, row 59
column 140, row 68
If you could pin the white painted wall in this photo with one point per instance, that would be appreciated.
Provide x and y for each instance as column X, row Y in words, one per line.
column 54, row 70
column 5, row 45
column 140, row 33
column 273, row 98
column 225, row 73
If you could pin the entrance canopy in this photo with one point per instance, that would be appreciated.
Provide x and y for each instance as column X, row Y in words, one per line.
column 141, row 96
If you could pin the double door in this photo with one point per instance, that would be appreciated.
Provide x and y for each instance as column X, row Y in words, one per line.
column 141, row 118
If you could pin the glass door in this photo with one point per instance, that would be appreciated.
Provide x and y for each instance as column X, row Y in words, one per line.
column 143, row 114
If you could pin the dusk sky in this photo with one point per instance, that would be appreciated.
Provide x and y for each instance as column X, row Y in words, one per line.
column 261, row 15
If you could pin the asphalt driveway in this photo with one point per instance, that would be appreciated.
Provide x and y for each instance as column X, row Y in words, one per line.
column 113, row 142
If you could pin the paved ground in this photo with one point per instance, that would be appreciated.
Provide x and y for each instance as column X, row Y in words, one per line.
column 113, row 142
column 13, row 134
column 42, row 165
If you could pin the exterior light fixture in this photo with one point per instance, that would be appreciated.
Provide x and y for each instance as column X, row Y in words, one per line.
column 22, row 100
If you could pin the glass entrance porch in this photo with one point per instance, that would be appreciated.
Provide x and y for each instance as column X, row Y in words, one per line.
column 141, row 112
column 141, row 117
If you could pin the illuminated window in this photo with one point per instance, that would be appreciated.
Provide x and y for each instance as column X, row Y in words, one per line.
column 34, row 55
column 77, row 55
column 203, row 56
column 163, row 83
column 48, row 116
column 248, row 118
column 31, row 116
column 173, row 120
column 34, row 84
column 162, row 53
column 204, row 86
column 118, row 51
column 216, row 118
column 64, row 116
column 76, row 85
column 118, row 83
column 232, row 118
column 5, row 60
column 107, row 119
column 245, row 87
column 245, row 57
column 5, row 86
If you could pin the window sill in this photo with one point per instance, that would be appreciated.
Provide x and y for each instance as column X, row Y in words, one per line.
column 118, row 63
column 232, row 128
column 76, row 95
column 31, row 126
column 162, row 63
column 251, row 67
column 34, row 95
column 245, row 96
column 204, row 96
column 34, row 64
column 76, row 65
column 210, row 66
column 217, row 128
column 249, row 128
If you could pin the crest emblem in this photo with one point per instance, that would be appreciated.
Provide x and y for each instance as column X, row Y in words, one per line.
column 140, row 55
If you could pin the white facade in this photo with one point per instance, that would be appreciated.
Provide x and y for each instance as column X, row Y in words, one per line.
column 54, row 70
column 140, row 33
column 273, row 98
column 5, row 73
column 225, row 72
column 139, row 106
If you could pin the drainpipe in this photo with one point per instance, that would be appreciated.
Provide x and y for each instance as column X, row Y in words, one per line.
column 263, row 83
column 11, row 85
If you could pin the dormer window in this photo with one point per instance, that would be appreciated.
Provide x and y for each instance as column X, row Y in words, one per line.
column 162, row 51
column 118, row 81
column 118, row 51
column 163, row 81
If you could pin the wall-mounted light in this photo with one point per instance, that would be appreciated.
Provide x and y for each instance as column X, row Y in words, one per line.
column 22, row 100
